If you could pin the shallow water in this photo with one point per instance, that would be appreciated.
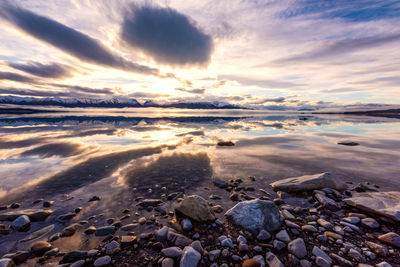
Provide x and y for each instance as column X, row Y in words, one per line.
column 148, row 152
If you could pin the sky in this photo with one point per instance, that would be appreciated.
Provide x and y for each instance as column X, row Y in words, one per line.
column 253, row 53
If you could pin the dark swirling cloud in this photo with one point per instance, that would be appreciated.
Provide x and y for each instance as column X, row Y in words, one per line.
column 166, row 35
column 15, row 77
column 50, row 70
column 68, row 39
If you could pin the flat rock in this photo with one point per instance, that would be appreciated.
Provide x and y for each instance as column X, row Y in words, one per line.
column 102, row 261
column 370, row 223
column 298, row 248
column 390, row 238
column 21, row 224
column 34, row 215
column 196, row 208
column 190, row 257
column 382, row 203
column 172, row 252
column 309, row 183
column 255, row 215
column 317, row 252
column 272, row 260
column 105, row 230
column 150, row 202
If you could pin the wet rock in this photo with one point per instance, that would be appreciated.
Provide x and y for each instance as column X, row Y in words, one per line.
column 197, row 246
column 321, row 262
column 105, row 230
column 332, row 235
column 243, row 247
column 35, row 215
column 179, row 240
column 370, row 223
column 39, row 248
column 382, row 203
column 48, row 204
column 113, row 247
column 255, row 215
column 279, row 246
column 78, row 209
column 213, row 255
column 227, row 242
column 272, row 260
column 70, row 230
column 309, row 228
column 218, row 209
column 383, row 264
column 251, row 263
column 317, row 252
column 325, row 224
column 283, row 236
column 150, row 203
column 142, row 220
column 167, row 262
column 190, row 257
column 102, row 261
column 51, row 252
column 309, row 183
column 196, row 208
column 377, row 248
column 263, row 235
column 129, row 227
column 340, row 260
column 127, row 240
column 161, row 234
column 66, row 217
column 79, row 263
column 73, row 256
column 234, row 196
column 94, row 198
column 90, row 230
column 356, row 255
column 186, row 224
column 352, row 220
column 6, row 263
column 21, row 224
column 298, row 248
column 221, row 183
column 391, row 238
column 172, row 252
column 19, row 257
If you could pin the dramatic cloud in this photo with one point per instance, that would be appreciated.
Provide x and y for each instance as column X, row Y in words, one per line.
column 69, row 40
column 341, row 47
column 166, row 35
column 15, row 77
column 191, row 91
column 50, row 70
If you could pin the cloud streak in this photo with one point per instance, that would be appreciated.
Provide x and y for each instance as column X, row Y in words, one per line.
column 191, row 91
column 50, row 70
column 69, row 40
column 15, row 77
column 166, row 35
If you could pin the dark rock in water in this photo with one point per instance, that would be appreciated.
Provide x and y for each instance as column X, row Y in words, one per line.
column 21, row 224
column 221, row 183
column 348, row 143
column 94, row 198
column 34, row 215
column 74, row 256
column 225, row 143
column 48, row 204
column 150, row 202
column 78, row 209
column 15, row 205
column 255, row 215
column 39, row 248
column 196, row 208
column 106, row 230
column 66, row 217
column 70, row 230
column 19, row 257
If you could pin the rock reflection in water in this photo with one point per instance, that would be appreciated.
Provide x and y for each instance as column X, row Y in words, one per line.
column 176, row 172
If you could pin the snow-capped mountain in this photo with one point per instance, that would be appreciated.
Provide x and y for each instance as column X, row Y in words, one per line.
column 115, row 102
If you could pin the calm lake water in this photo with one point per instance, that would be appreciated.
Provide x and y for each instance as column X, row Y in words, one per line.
column 148, row 152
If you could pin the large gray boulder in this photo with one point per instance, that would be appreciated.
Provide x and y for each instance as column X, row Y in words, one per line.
column 381, row 203
column 309, row 183
column 255, row 215
column 196, row 208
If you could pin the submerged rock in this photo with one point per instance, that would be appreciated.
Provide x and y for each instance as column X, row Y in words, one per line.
column 196, row 208
column 382, row 203
column 34, row 215
column 309, row 183
column 255, row 215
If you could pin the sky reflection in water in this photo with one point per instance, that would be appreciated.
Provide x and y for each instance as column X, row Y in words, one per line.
column 57, row 154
